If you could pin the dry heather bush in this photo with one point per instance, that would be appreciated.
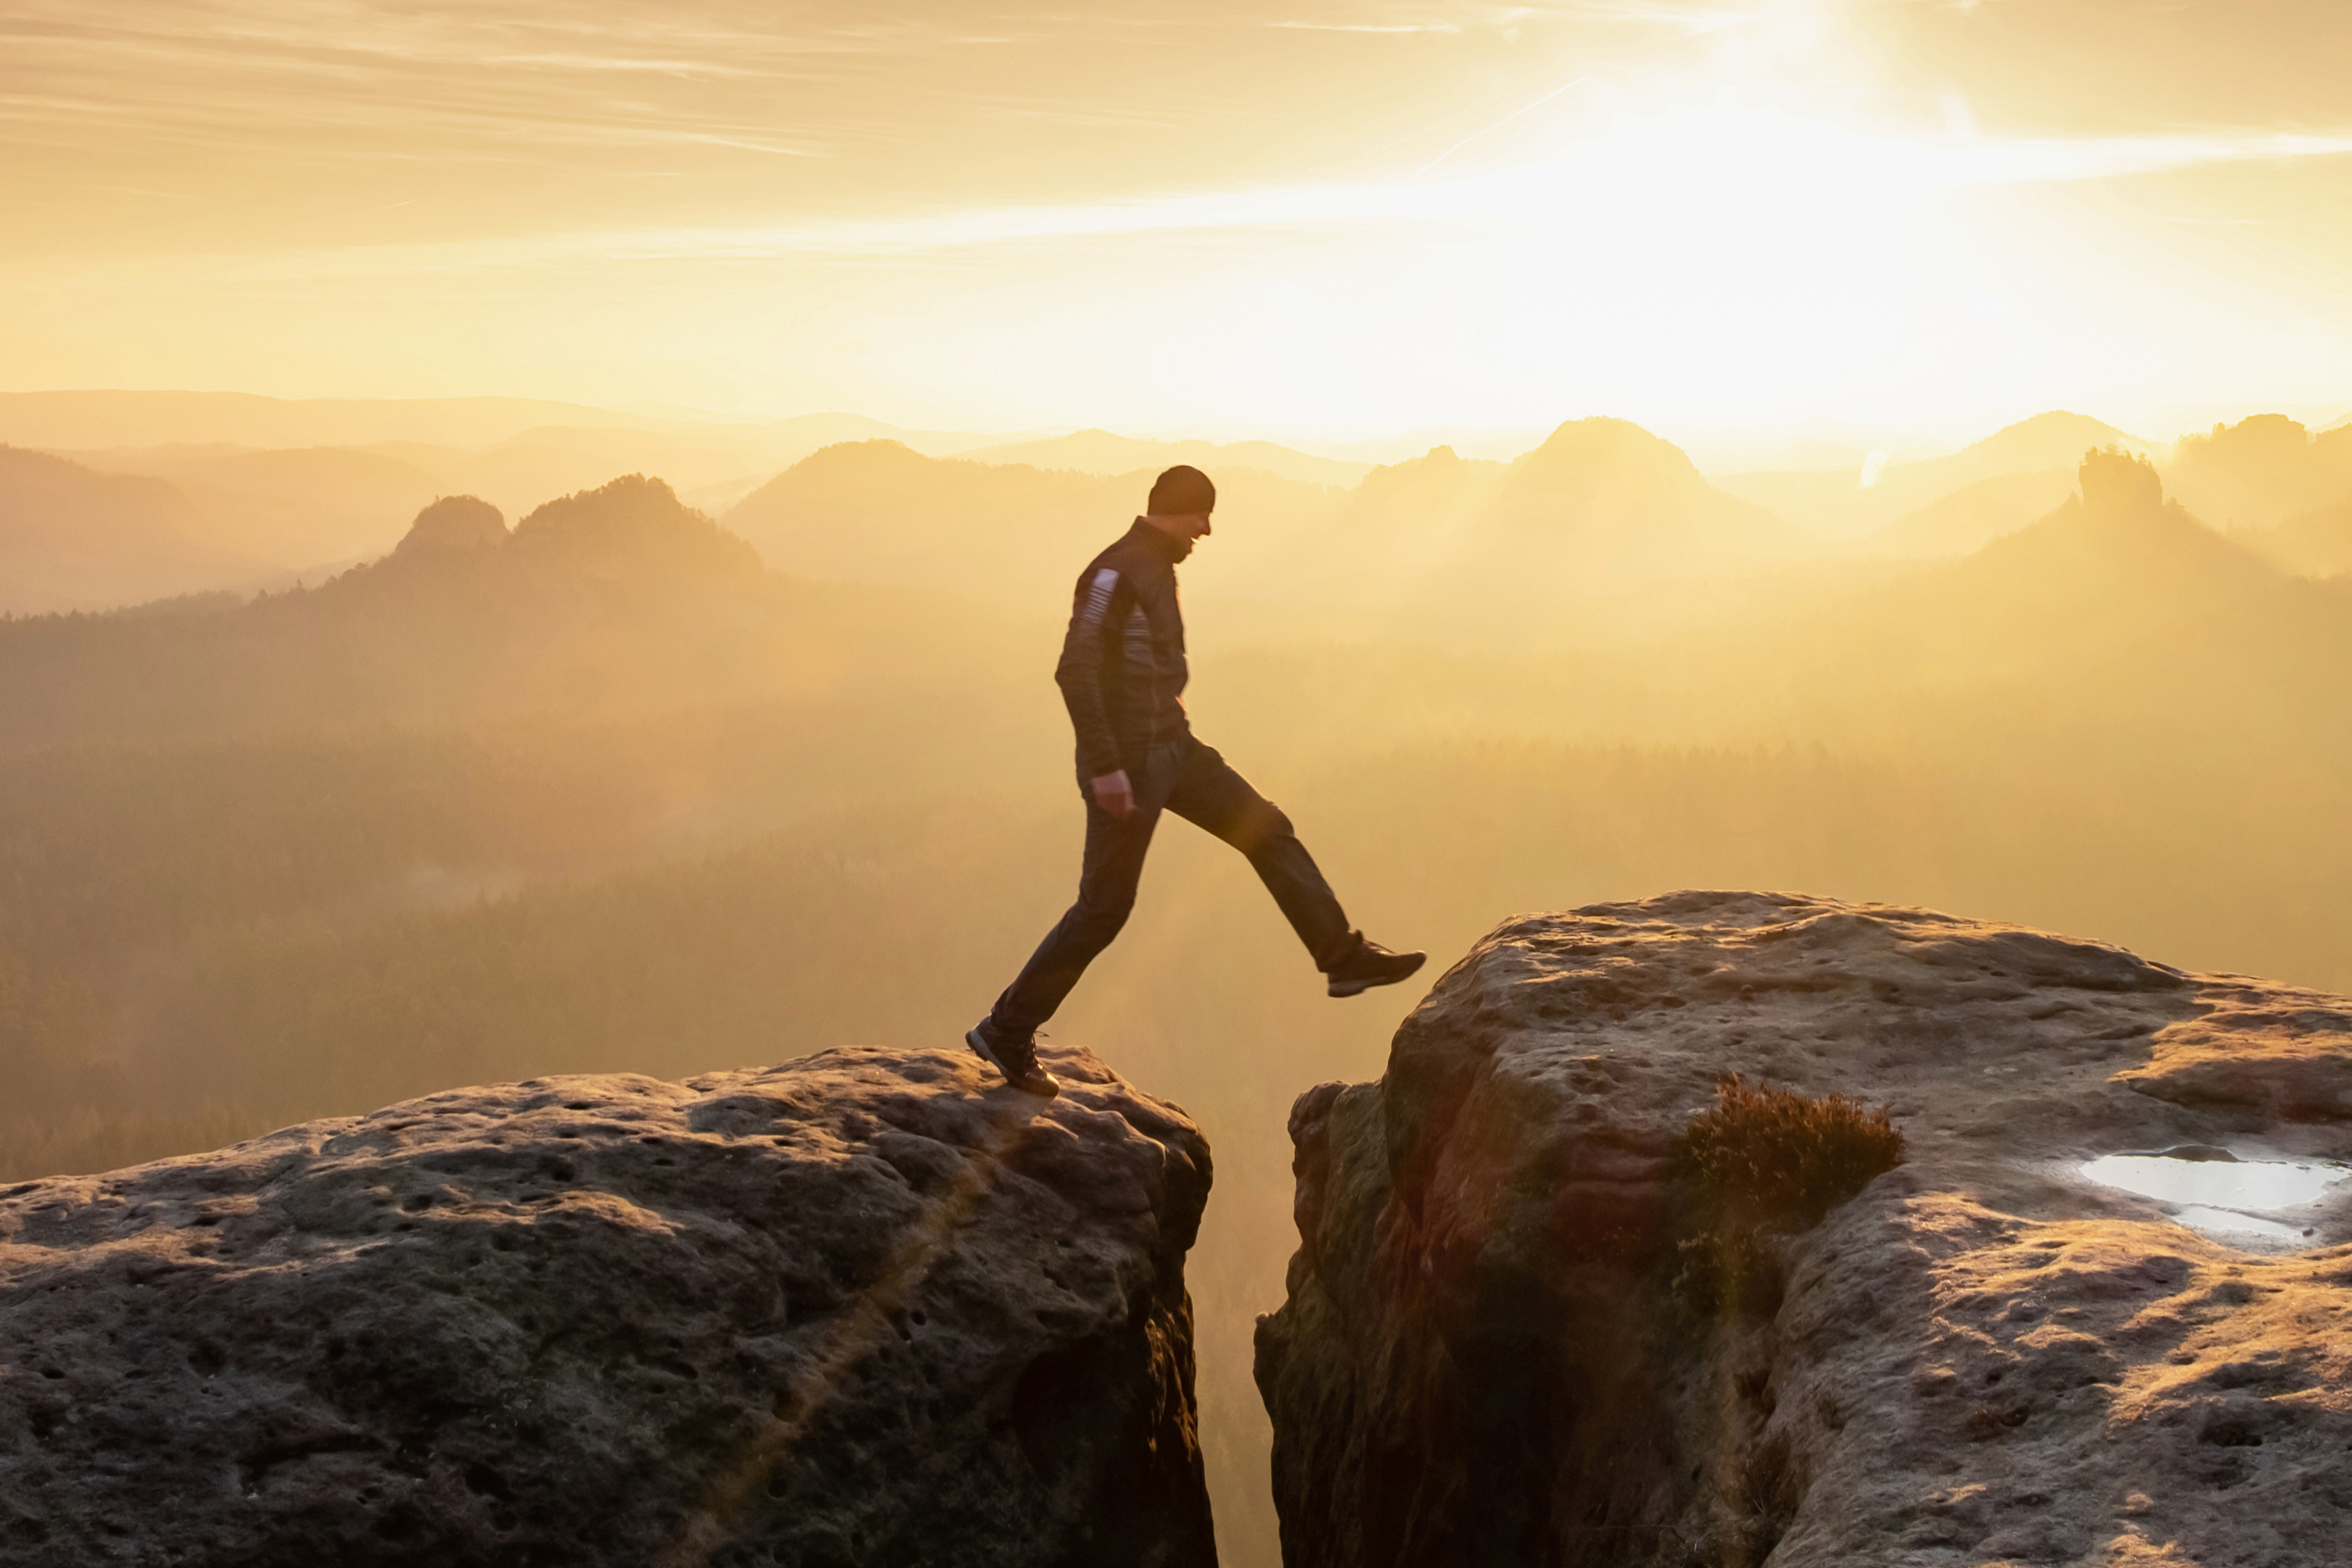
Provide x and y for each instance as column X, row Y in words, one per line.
column 1768, row 1156
column 1730, row 1270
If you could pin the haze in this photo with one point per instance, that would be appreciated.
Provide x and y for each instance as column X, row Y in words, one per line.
column 1918, row 220
column 535, row 540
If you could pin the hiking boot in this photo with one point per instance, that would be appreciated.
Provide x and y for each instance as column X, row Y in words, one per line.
column 1015, row 1056
column 1371, row 964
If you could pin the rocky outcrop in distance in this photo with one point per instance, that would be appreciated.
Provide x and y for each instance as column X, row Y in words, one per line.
column 868, row 1307
column 454, row 523
column 1522, row 1329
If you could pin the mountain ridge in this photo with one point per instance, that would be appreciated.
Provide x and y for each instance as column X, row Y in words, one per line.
column 1849, row 506
column 72, row 538
column 608, row 601
column 1099, row 452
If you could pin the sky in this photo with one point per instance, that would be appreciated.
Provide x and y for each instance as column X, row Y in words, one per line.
column 1842, row 218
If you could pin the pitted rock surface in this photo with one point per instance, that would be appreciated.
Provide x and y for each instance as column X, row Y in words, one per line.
column 1493, row 1349
column 868, row 1307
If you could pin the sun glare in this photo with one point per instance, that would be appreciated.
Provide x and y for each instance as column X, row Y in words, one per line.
column 1702, row 217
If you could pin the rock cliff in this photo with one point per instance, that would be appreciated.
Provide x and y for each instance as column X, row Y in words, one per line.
column 869, row 1307
column 1520, row 1329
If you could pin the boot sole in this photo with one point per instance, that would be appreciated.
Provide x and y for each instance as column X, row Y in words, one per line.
column 1358, row 987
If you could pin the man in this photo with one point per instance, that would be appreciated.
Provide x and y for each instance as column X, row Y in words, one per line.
column 1122, row 677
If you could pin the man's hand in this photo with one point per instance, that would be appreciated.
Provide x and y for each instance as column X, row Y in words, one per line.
column 1114, row 794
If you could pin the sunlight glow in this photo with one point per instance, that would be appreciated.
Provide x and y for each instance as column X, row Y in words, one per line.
column 1710, row 214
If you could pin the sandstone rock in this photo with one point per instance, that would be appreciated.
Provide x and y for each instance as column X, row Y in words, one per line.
column 1495, row 1348
column 868, row 1307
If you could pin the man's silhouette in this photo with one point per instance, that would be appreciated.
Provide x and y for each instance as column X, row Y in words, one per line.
column 1122, row 677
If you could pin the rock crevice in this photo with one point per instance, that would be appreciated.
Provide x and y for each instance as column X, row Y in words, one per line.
column 1518, row 1329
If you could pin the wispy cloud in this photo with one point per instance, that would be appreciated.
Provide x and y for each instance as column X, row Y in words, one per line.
column 1489, row 201
column 1497, row 125
column 2048, row 160
column 1696, row 17
column 1708, row 16
column 1983, row 162
column 587, row 62
column 1297, row 27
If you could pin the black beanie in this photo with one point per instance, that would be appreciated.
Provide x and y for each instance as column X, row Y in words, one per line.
column 1181, row 492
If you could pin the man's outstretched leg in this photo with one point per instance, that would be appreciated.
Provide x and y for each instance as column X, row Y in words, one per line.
column 1122, row 674
column 1210, row 794
column 1106, row 882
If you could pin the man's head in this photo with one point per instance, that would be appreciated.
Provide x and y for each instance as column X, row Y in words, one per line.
column 1181, row 500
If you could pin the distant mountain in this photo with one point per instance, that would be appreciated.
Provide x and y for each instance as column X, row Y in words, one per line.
column 74, row 539
column 1440, row 482
column 613, row 600
column 307, row 508
column 874, row 511
column 517, row 451
column 1485, row 443
column 1600, row 523
column 1612, row 485
column 2117, row 612
column 1969, row 519
column 2260, row 471
column 2046, row 440
column 1842, row 506
column 453, row 524
column 790, row 440
column 686, row 415
column 632, row 531
column 1100, row 452
column 525, row 469
column 301, row 509
column 1600, row 529
column 2316, row 543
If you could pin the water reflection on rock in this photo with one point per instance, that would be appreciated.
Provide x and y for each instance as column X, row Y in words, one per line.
column 2223, row 1196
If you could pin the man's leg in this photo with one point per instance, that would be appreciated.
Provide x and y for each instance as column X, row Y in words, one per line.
column 1106, row 883
column 1209, row 792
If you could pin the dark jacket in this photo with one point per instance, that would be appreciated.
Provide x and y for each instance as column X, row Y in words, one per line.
column 1122, row 671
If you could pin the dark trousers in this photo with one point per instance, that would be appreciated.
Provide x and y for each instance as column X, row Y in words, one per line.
column 1192, row 780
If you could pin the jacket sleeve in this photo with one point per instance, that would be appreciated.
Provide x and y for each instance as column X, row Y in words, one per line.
column 1079, row 673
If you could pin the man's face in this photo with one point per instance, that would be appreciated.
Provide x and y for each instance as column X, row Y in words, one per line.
column 1185, row 528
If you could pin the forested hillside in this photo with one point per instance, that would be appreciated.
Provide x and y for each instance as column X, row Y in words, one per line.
column 72, row 538
column 610, row 601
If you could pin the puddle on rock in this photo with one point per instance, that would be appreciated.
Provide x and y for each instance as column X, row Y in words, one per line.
column 2221, row 1196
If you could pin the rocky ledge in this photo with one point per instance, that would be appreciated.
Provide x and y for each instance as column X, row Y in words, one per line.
column 869, row 1307
column 1521, row 1328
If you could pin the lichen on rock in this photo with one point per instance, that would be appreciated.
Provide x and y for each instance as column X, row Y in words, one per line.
column 1520, row 1330
column 867, row 1306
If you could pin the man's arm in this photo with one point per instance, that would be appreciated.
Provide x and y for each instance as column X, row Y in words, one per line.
column 1079, row 675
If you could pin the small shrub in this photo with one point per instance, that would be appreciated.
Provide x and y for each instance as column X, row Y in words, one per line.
column 1731, row 1271
column 1773, row 1157
column 1767, row 1490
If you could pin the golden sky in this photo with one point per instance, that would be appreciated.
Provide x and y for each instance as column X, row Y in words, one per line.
column 1319, row 217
